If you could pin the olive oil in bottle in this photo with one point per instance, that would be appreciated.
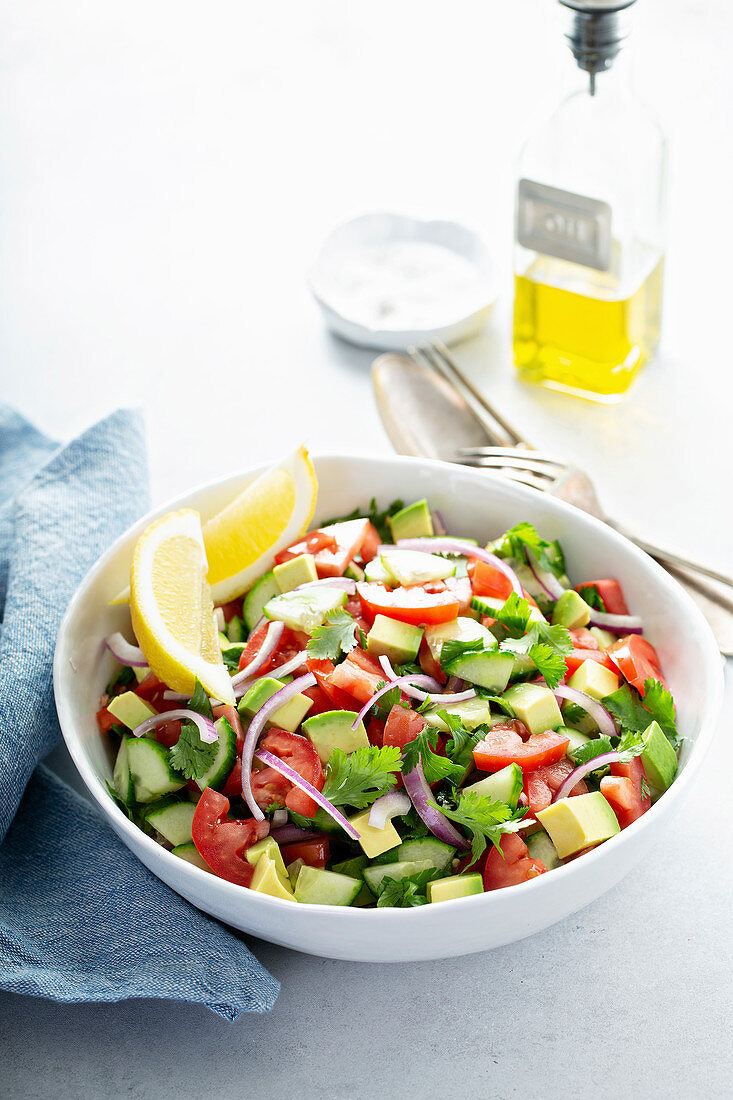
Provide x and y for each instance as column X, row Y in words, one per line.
column 589, row 259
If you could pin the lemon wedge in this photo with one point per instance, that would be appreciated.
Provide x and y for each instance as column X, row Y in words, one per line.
column 243, row 539
column 172, row 608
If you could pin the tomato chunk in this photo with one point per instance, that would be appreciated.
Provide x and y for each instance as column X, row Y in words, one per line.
column 486, row 580
column 409, row 605
column 503, row 745
column 300, row 754
column 575, row 659
column 334, row 547
column 583, row 639
column 637, row 660
column 222, row 842
column 624, row 790
column 314, row 852
column 105, row 720
column 511, row 865
column 541, row 784
column 359, row 676
column 610, row 592
column 290, row 643
column 402, row 726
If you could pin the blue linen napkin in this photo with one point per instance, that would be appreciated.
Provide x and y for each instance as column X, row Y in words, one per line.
column 81, row 919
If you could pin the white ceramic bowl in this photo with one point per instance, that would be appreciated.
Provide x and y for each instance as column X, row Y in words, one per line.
column 472, row 504
column 468, row 314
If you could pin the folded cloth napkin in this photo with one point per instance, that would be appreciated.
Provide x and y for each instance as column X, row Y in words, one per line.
column 80, row 918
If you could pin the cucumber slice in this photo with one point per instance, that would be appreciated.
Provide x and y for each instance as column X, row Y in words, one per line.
column 505, row 785
column 235, row 629
column 304, row 610
column 440, row 854
column 121, row 775
column 189, row 852
column 488, row 670
column 315, row 886
column 259, row 594
column 575, row 737
column 152, row 774
column 541, row 847
column 172, row 819
column 402, row 869
column 223, row 762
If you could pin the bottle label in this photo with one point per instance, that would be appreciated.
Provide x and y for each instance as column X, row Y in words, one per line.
column 562, row 224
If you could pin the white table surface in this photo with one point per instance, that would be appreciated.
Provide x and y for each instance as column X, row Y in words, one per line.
column 168, row 170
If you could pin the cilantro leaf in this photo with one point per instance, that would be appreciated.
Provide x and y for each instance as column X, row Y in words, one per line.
column 660, row 704
column 462, row 741
column 632, row 713
column 514, row 615
column 550, row 664
column 201, row 704
column 523, row 536
column 362, row 637
column 588, row 751
column 645, row 792
column 391, row 698
column 230, row 656
column 335, row 638
column 124, row 677
column 436, row 768
column 496, row 701
column 406, row 892
column 485, row 819
column 361, row 777
column 547, row 646
column 379, row 519
column 191, row 756
column 591, row 595
column 412, row 826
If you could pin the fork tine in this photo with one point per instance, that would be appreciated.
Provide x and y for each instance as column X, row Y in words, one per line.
column 509, row 462
column 531, row 458
column 426, row 355
column 542, row 485
column 513, row 435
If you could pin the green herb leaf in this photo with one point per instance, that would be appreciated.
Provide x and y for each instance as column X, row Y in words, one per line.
column 632, row 713
column 454, row 649
column 201, row 704
column 406, row 892
column 230, row 656
column 550, row 664
column 436, row 768
column 496, row 701
column 335, row 638
column 591, row 595
column 362, row 637
column 361, row 777
column 191, row 756
column 514, row 615
column 462, row 741
column 412, row 826
column 590, row 749
column 549, row 555
column 485, row 819
column 660, row 704
column 391, row 698
column 124, row 677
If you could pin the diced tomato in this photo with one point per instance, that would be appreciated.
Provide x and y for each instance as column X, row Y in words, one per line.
column 583, row 639
column 610, row 592
column 370, row 544
column 233, row 786
column 354, row 608
column 375, row 732
column 402, row 726
column 300, row 754
column 105, row 720
column 488, row 581
column 168, row 733
column 314, row 852
column 229, row 610
column 637, row 660
column 221, row 842
column 323, row 669
column 540, row 785
column 429, row 665
column 345, row 541
column 269, row 787
column 623, row 789
column 409, row 605
column 321, row 701
column 290, row 643
column 152, row 690
column 359, row 675
column 503, row 745
column 513, row 867
column 575, row 659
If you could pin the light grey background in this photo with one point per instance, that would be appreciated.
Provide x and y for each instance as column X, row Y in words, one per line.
column 168, row 170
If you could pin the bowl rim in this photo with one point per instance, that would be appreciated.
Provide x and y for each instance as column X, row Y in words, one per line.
column 230, row 891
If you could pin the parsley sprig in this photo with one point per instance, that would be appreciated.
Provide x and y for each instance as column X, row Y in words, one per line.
column 336, row 638
column 485, row 819
column 359, row 778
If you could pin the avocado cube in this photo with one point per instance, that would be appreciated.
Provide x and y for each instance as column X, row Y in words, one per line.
column 604, row 638
column 332, row 730
column 399, row 642
column 416, row 567
column 141, row 674
column 455, row 886
column 659, row 758
column 461, row 629
column 578, row 822
column 287, row 717
column 412, row 522
column 267, row 847
column 130, row 709
column 266, row 879
column 594, row 679
column 297, row 571
column 374, row 841
column 571, row 610
column 534, row 705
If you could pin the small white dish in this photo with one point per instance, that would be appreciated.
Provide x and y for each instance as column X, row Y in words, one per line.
column 386, row 281
column 472, row 504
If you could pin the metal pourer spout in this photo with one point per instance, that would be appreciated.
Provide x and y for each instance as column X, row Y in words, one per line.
column 596, row 33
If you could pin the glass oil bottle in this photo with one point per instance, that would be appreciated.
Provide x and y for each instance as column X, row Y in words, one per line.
column 589, row 232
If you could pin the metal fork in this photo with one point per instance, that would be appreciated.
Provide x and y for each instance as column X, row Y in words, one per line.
column 512, row 456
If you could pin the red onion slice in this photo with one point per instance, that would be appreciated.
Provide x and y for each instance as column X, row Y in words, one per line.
column 400, row 681
column 546, row 580
column 175, row 697
column 282, row 670
column 291, row 834
column 268, row 647
column 297, row 780
column 205, row 726
column 256, row 726
column 582, row 770
column 596, row 710
column 421, row 796
column 455, row 683
column 619, row 624
column 451, row 546
column 124, row 652
column 432, row 686
column 348, row 585
column 394, row 804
